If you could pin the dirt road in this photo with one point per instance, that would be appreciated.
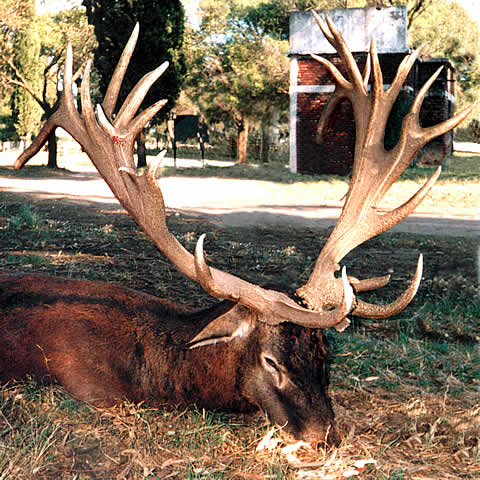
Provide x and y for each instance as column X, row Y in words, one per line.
column 232, row 202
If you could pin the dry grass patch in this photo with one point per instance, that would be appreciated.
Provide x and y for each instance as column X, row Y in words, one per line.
column 408, row 435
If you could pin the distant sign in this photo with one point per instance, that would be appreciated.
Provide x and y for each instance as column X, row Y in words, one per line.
column 357, row 25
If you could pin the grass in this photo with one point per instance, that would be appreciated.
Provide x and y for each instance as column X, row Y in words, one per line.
column 406, row 391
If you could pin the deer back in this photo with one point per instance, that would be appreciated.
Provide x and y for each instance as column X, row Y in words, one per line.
column 83, row 334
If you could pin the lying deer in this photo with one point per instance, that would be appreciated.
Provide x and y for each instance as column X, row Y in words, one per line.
column 258, row 348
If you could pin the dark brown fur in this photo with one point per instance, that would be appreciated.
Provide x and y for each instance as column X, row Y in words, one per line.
column 106, row 343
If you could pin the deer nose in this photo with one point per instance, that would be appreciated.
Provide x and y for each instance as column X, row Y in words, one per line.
column 322, row 436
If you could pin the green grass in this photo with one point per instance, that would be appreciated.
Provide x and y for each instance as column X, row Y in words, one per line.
column 27, row 217
column 27, row 259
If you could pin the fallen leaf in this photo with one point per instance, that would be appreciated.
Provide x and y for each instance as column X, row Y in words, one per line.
column 268, row 442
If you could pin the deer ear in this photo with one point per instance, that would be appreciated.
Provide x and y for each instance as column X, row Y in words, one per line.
column 236, row 323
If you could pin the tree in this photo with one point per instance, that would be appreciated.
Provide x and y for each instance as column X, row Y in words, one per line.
column 237, row 74
column 7, row 128
column 54, row 32
column 161, row 38
column 450, row 32
column 13, row 16
column 65, row 27
column 19, row 45
column 273, row 15
column 26, row 112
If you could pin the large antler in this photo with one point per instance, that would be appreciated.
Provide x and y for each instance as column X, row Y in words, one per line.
column 374, row 172
column 109, row 143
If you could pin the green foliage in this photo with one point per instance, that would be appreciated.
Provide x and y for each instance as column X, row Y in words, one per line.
column 7, row 128
column 25, row 110
column 238, row 74
column 451, row 32
column 273, row 16
column 161, row 39
column 33, row 54
column 472, row 131
column 28, row 259
column 14, row 15
column 67, row 26
column 55, row 32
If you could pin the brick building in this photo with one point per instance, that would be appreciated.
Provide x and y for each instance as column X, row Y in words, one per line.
column 311, row 85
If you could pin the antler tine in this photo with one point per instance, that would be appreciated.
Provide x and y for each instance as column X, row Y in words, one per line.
column 369, row 310
column 325, row 30
column 143, row 118
column 326, row 116
column 389, row 219
column 377, row 76
column 205, row 277
column 369, row 283
column 403, row 70
column 136, row 96
column 336, row 40
column 434, row 131
column 340, row 80
column 38, row 142
column 68, row 78
column 87, row 111
column 367, row 70
column 110, row 99
column 374, row 172
column 342, row 91
column 414, row 137
column 417, row 103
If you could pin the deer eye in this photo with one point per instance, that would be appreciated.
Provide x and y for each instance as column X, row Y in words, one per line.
column 271, row 362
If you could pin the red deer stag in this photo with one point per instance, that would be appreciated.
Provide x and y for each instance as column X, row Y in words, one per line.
column 257, row 348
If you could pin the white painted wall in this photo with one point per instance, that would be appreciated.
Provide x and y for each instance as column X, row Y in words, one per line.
column 357, row 25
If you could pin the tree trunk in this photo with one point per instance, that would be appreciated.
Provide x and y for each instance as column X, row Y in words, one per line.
column 141, row 150
column 52, row 150
column 265, row 143
column 242, row 141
